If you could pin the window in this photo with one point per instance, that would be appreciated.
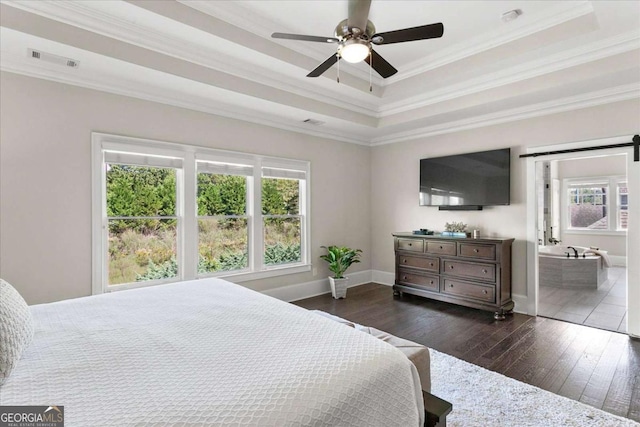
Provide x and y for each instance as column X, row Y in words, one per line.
column 596, row 204
column 281, row 215
column 623, row 205
column 588, row 206
column 223, row 220
column 142, row 222
column 168, row 212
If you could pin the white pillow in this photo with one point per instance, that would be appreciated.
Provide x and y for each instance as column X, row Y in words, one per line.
column 16, row 328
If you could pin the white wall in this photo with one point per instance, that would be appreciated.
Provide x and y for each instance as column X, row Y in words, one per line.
column 395, row 177
column 45, row 177
column 616, row 245
column 360, row 195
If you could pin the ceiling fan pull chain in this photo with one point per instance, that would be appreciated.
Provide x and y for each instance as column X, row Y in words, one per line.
column 370, row 67
column 338, row 78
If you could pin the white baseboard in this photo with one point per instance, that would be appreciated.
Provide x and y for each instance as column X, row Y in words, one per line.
column 618, row 261
column 383, row 277
column 521, row 303
column 314, row 288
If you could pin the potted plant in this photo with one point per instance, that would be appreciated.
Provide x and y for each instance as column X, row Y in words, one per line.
column 339, row 259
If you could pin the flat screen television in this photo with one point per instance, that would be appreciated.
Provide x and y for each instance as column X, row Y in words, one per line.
column 468, row 180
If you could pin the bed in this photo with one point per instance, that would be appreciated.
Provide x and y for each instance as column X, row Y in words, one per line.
column 208, row 352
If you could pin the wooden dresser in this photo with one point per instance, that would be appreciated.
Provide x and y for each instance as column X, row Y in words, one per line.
column 471, row 272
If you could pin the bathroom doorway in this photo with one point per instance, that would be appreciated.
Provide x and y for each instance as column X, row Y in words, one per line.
column 582, row 219
column 529, row 303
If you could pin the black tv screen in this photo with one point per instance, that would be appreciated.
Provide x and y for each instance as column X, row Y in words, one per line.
column 473, row 179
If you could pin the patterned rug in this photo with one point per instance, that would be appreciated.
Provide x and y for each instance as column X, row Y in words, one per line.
column 485, row 398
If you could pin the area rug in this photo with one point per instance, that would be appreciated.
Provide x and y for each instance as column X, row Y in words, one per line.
column 485, row 398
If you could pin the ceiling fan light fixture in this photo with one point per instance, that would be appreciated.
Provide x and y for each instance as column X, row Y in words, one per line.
column 354, row 50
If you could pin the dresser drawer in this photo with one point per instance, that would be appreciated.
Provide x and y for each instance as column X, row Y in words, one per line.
column 470, row 269
column 441, row 248
column 411, row 245
column 469, row 290
column 476, row 250
column 424, row 281
column 431, row 264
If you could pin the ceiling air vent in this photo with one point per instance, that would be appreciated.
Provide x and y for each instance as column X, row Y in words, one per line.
column 54, row 59
column 313, row 122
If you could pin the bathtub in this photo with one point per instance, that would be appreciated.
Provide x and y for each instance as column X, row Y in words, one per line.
column 556, row 270
column 559, row 250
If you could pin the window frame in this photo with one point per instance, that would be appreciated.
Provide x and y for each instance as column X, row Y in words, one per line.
column 620, row 204
column 179, row 226
column 187, row 212
column 612, row 206
column 247, row 214
column 302, row 208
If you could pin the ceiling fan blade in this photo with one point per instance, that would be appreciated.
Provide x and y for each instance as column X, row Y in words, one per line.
column 304, row 38
column 324, row 66
column 431, row 31
column 380, row 64
column 358, row 14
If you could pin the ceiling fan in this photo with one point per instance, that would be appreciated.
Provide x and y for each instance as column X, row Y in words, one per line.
column 356, row 34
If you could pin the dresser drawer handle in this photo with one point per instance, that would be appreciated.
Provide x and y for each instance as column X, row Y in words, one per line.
column 484, row 291
column 476, row 250
column 441, row 247
column 404, row 277
column 431, row 264
column 484, row 270
column 451, row 267
column 410, row 244
column 451, row 285
column 431, row 282
column 404, row 260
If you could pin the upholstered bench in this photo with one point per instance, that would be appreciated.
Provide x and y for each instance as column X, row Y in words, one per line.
column 416, row 353
column 436, row 409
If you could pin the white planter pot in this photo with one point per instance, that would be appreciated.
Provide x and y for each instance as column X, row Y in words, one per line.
column 339, row 287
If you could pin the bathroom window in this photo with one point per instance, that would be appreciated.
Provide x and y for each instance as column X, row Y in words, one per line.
column 588, row 206
column 596, row 205
column 623, row 205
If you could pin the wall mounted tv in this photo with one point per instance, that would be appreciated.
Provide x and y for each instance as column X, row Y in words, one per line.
column 466, row 181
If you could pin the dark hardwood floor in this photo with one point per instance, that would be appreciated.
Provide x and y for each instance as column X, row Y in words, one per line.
column 596, row 367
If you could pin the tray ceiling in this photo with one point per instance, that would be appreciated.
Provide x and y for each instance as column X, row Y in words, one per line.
column 218, row 57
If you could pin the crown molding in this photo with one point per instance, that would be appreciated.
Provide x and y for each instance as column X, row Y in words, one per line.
column 118, row 87
column 591, row 99
column 559, row 14
column 131, row 89
column 117, row 29
column 81, row 15
column 235, row 14
column 567, row 59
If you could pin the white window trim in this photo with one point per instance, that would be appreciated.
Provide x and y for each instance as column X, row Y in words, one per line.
column 612, row 205
column 187, row 251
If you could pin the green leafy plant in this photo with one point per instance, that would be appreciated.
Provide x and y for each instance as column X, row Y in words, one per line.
column 281, row 254
column 142, row 248
column 159, row 271
column 340, row 258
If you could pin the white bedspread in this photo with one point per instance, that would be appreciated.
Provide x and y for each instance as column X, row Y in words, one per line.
column 209, row 352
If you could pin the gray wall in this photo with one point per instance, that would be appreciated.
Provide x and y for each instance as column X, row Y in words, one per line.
column 395, row 177
column 45, row 179
column 45, row 191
